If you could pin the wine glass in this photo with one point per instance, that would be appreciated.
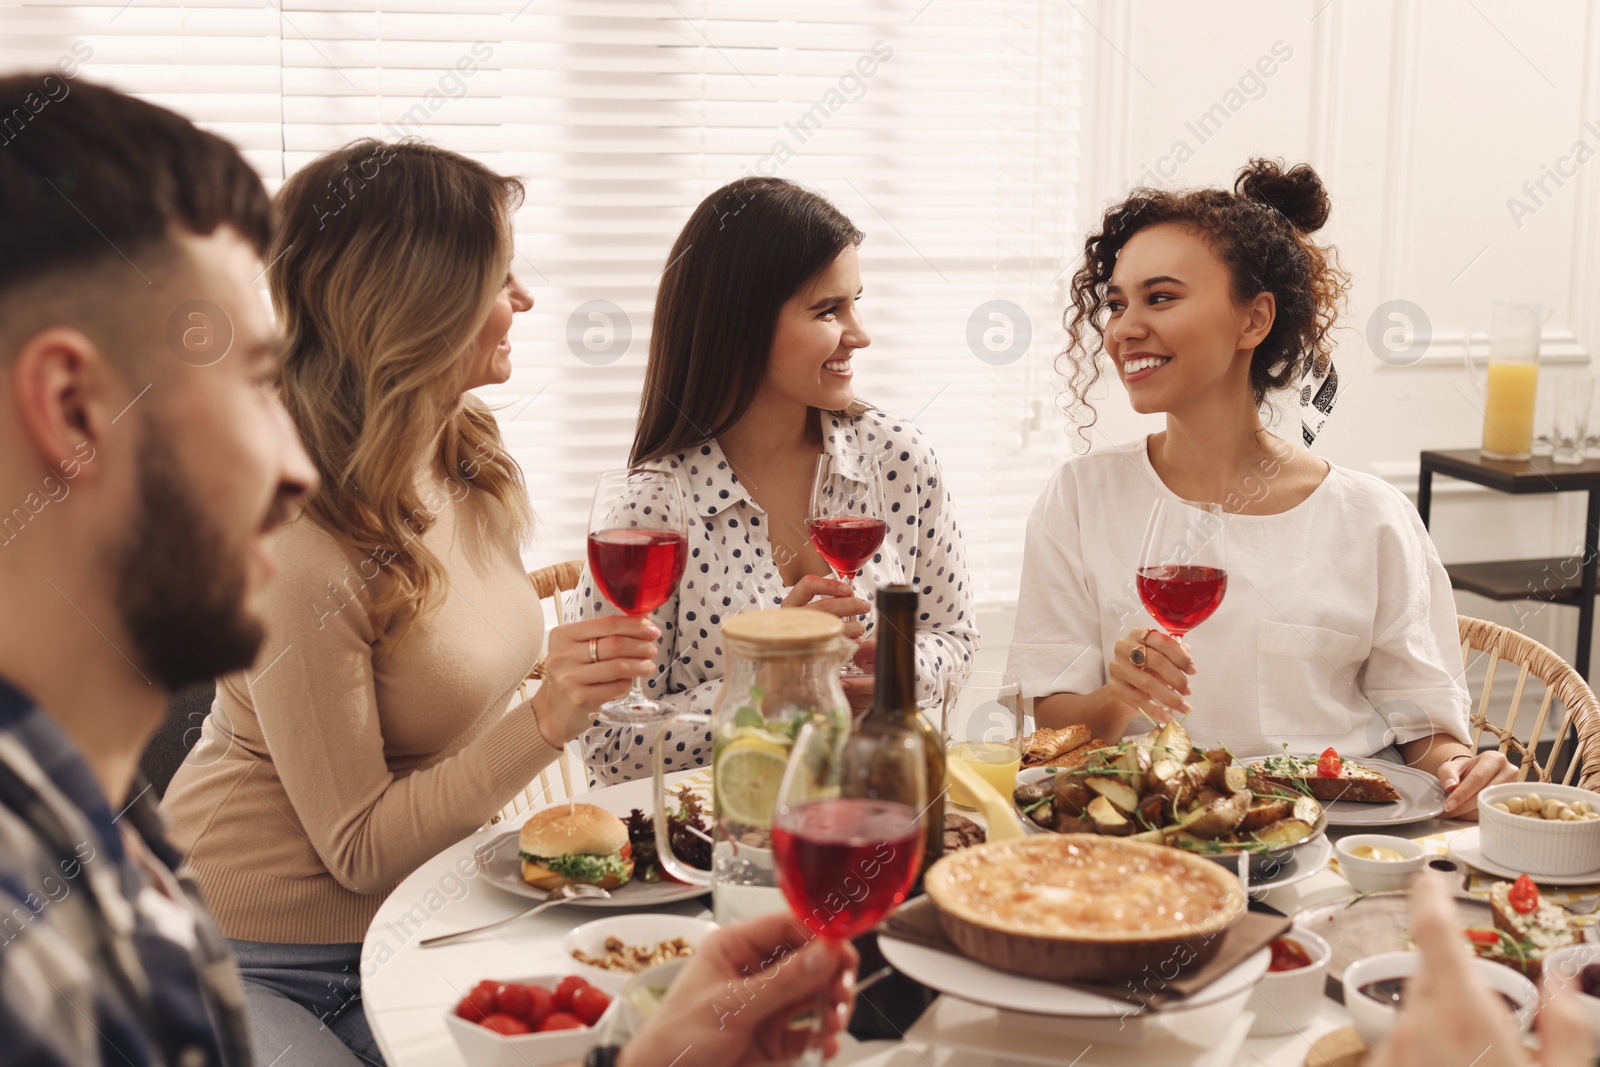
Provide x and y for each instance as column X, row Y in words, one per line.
column 983, row 728
column 638, row 544
column 847, row 834
column 845, row 519
column 1183, row 567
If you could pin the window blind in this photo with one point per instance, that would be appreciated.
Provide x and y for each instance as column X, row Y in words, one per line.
column 947, row 131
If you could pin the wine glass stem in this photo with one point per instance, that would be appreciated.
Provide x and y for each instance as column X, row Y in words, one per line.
column 814, row 1054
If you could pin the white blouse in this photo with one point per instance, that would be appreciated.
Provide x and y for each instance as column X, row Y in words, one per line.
column 731, row 568
column 1338, row 626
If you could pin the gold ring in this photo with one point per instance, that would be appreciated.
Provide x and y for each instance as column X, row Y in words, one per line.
column 1137, row 657
column 594, row 650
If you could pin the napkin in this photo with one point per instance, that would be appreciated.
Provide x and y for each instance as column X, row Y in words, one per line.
column 918, row 923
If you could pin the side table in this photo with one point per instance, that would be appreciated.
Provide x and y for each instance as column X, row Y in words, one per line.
column 1553, row 581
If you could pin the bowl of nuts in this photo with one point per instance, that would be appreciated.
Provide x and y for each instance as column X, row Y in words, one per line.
column 627, row 944
column 1545, row 829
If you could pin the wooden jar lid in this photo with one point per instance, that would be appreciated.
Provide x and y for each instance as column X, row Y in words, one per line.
column 783, row 629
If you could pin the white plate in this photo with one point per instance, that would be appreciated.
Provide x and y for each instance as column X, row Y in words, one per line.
column 498, row 861
column 1470, row 853
column 1304, row 862
column 970, row 980
column 1421, row 797
column 1372, row 923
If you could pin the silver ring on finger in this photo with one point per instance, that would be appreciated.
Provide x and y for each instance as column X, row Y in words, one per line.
column 1137, row 657
column 594, row 650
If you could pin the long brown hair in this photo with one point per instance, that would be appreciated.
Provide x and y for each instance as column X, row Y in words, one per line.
column 747, row 249
column 385, row 265
column 1261, row 231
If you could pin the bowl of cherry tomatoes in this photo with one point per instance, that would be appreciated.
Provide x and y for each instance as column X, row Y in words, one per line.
column 527, row 1022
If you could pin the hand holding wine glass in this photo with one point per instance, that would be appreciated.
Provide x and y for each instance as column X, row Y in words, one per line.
column 1183, row 575
column 638, row 545
column 847, row 836
column 846, row 520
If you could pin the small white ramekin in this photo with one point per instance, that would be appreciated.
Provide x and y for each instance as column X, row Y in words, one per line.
column 1285, row 1001
column 1376, row 876
column 1538, row 846
column 1373, row 1020
column 1569, row 963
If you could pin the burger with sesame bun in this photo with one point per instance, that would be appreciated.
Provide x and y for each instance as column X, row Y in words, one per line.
column 575, row 843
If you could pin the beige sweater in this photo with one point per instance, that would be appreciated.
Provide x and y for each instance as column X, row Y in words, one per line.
column 334, row 766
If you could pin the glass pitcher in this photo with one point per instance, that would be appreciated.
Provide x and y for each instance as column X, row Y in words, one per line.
column 782, row 671
column 1511, row 389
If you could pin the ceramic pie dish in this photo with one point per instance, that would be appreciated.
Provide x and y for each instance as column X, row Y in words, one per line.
column 1083, row 907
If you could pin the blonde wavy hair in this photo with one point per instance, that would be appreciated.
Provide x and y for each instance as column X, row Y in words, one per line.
column 386, row 262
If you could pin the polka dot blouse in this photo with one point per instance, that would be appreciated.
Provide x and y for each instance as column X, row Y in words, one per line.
column 731, row 568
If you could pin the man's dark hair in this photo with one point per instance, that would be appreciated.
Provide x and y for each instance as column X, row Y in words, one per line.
column 88, row 174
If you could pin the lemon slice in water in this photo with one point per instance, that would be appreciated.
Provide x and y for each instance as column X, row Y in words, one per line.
column 748, row 774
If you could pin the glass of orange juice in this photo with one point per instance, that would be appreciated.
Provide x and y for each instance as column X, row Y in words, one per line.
column 983, row 728
column 1508, row 406
column 1512, row 384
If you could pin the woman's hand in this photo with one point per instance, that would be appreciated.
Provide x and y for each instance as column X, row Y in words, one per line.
column 1452, row 1018
column 858, row 691
column 1464, row 779
column 834, row 597
column 1158, row 687
column 577, row 680
column 732, row 1002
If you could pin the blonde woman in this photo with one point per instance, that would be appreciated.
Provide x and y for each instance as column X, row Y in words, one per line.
column 373, row 729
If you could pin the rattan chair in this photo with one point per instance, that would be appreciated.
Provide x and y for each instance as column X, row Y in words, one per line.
column 569, row 778
column 1506, row 647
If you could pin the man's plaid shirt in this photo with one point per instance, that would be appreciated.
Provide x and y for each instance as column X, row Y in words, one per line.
column 97, row 965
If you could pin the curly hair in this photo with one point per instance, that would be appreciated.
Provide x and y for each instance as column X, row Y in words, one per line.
column 1261, row 232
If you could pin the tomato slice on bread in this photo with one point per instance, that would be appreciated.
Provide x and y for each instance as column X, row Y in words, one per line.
column 1524, row 895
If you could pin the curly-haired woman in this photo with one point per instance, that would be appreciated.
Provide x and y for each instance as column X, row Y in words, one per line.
column 1338, row 628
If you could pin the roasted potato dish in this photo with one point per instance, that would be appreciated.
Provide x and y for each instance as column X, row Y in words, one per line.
column 1161, row 789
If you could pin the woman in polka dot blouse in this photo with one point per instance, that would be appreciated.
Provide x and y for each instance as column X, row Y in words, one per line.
column 748, row 382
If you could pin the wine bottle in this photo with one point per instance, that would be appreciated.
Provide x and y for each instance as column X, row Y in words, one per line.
column 894, row 702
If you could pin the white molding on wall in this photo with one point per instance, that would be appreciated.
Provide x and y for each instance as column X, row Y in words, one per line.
column 1324, row 95
column 1397, row 170
column 1445, row 350
column 1585, row 309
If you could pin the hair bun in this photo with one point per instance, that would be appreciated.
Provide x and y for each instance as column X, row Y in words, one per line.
column 1296, row 193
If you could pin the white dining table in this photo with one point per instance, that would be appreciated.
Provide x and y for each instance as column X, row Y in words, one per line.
column 407, row 989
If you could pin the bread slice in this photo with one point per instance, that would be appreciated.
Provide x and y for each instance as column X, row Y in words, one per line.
column 1355, row 782
column 1045, row 744
column 1078, row 756
column 1539, row 933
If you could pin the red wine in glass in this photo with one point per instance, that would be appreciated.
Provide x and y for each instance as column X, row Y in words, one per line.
column 1181, row 596
column 1183, row 566
column 847, row 833
column 847, row 541
column 638, row 546
column 637, row 569
column 843, row 864
column 845, row 518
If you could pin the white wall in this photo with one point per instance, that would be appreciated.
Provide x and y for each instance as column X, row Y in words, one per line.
column 1423, row 118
